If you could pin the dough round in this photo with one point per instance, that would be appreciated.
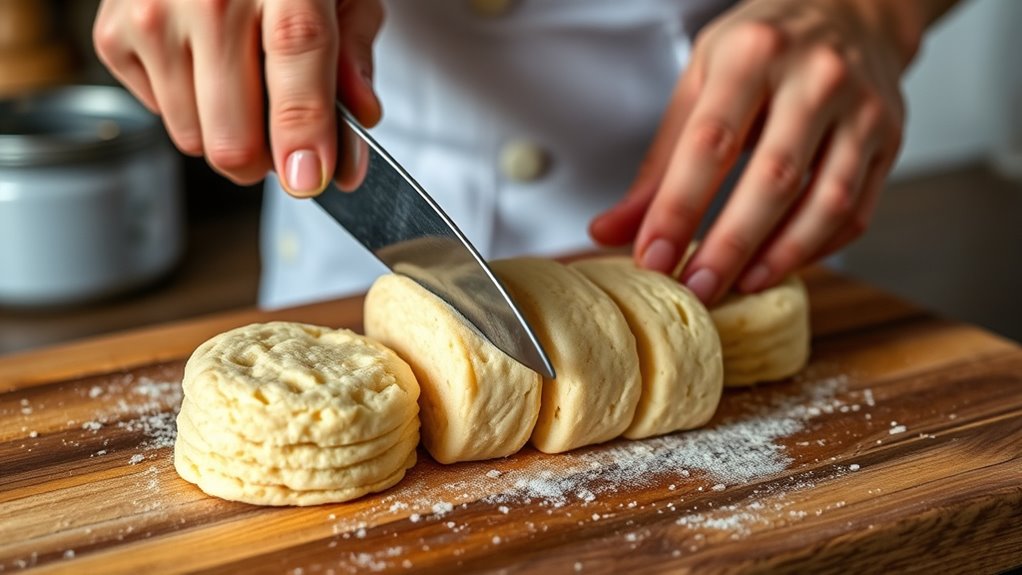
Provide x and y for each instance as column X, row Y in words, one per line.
column 764, row 336
column 679, row 350
column 477, row 403
column 192, row 422
column 286, row 383
column 300, row 478
column 295, row 414
column 216, row 483
column 592, row 350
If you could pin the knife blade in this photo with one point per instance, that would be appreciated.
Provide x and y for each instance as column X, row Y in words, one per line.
column 395, row 219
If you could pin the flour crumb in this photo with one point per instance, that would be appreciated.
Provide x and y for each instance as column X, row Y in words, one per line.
column 442, row 508
column 69, row 554
column 33, row 434
column 504, row 509
column 136, row 459
column 95, row 391
column 414, row 517
column 897, row 429
column 496, row 540
column 407, row 564
column 719, row 487
column 578, row 566
column 493, row 473
column 867, row 394
column 361, row 533
column 853, row 467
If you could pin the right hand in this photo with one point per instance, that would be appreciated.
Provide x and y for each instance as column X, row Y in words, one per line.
column 205, row 65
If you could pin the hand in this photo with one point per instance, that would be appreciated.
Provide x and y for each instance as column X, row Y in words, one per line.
column 205, row 66
column 815, row 85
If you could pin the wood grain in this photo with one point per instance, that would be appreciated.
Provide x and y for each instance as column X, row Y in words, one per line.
column 87, row 484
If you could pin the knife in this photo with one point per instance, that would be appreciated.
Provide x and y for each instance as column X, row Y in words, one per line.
column 395, row 219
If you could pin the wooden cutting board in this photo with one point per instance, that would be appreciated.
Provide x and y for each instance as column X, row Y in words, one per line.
column 898, row 449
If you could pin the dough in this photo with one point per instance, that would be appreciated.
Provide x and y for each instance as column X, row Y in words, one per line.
column 592, row 350
column 679, row 350
column 214, row 482
column 287, row 383
column 226, row 443
column 293, row 414
column 477, row 403
column 764, row 336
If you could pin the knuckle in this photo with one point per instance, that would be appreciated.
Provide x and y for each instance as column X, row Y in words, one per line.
column 299, row 32
column 677, row 213
column 149, row 15
column 757, row 39
column 301, row 113
column 715, row 139
column 106, row 38
column 839, row 200
column 830, row 71
column 736, row 246
column 779, row 174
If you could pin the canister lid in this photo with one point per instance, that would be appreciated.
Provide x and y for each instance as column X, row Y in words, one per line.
column 73, row 124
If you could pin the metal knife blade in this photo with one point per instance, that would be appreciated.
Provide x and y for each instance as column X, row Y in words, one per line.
column 394, row 218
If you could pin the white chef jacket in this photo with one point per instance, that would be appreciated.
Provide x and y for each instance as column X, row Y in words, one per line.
column 522, row 118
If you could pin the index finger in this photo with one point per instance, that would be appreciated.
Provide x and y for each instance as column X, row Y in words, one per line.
column 301, row 44
column 734, row 93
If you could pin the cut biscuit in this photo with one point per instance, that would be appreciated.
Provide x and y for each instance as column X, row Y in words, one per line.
column 679, row 351
column 591, row 347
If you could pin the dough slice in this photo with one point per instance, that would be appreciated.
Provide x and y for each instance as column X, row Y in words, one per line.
column 679, row 351
column 764, row 336
column 285, row 383
column 477, row 403
column 214, row 482
column 593, row 352
column 300, row 478
column 193, row 422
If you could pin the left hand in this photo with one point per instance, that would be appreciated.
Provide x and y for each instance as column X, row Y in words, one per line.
column 822, row 79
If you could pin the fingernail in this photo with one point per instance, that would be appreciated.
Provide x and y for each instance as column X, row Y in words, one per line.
column 304, row 172
column 756, row 277
column 703, row 284
column 659, row 256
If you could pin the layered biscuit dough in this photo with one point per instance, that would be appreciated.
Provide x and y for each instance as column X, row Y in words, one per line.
column 764, row 336
column 477, row 403
column 294, row 414
column 597, row 388
column 679, row 350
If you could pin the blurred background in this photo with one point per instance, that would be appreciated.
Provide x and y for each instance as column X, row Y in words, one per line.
column 947, row 235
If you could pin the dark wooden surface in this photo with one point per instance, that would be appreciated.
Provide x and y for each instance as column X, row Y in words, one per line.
column 87, row 483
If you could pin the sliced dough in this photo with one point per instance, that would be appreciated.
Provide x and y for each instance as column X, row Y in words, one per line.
column 285, row 383
column 216, row 483
column 679, row 351
column 593, row 352
column 477, row 403
column 764, row 336
column 300, row 478
column 195, row 426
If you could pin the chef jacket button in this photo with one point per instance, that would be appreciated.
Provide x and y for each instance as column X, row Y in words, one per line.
column 287, row 247
column 523, row 161
column 491, row 8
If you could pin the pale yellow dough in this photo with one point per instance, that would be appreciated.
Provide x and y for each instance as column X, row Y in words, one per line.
column 592, row 350
column 284, row 383
column 679, row 350
column 193, row 422
column 477, row 403
column 215, row 482
column 764, row 336
column 294, row 414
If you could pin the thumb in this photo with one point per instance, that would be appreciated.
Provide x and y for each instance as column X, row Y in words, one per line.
column 358, row 23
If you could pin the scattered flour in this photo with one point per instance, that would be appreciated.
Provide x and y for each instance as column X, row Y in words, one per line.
column 897, row 429
column 136, row 459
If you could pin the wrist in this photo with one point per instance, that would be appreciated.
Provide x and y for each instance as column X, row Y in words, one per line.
column 902, row 22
